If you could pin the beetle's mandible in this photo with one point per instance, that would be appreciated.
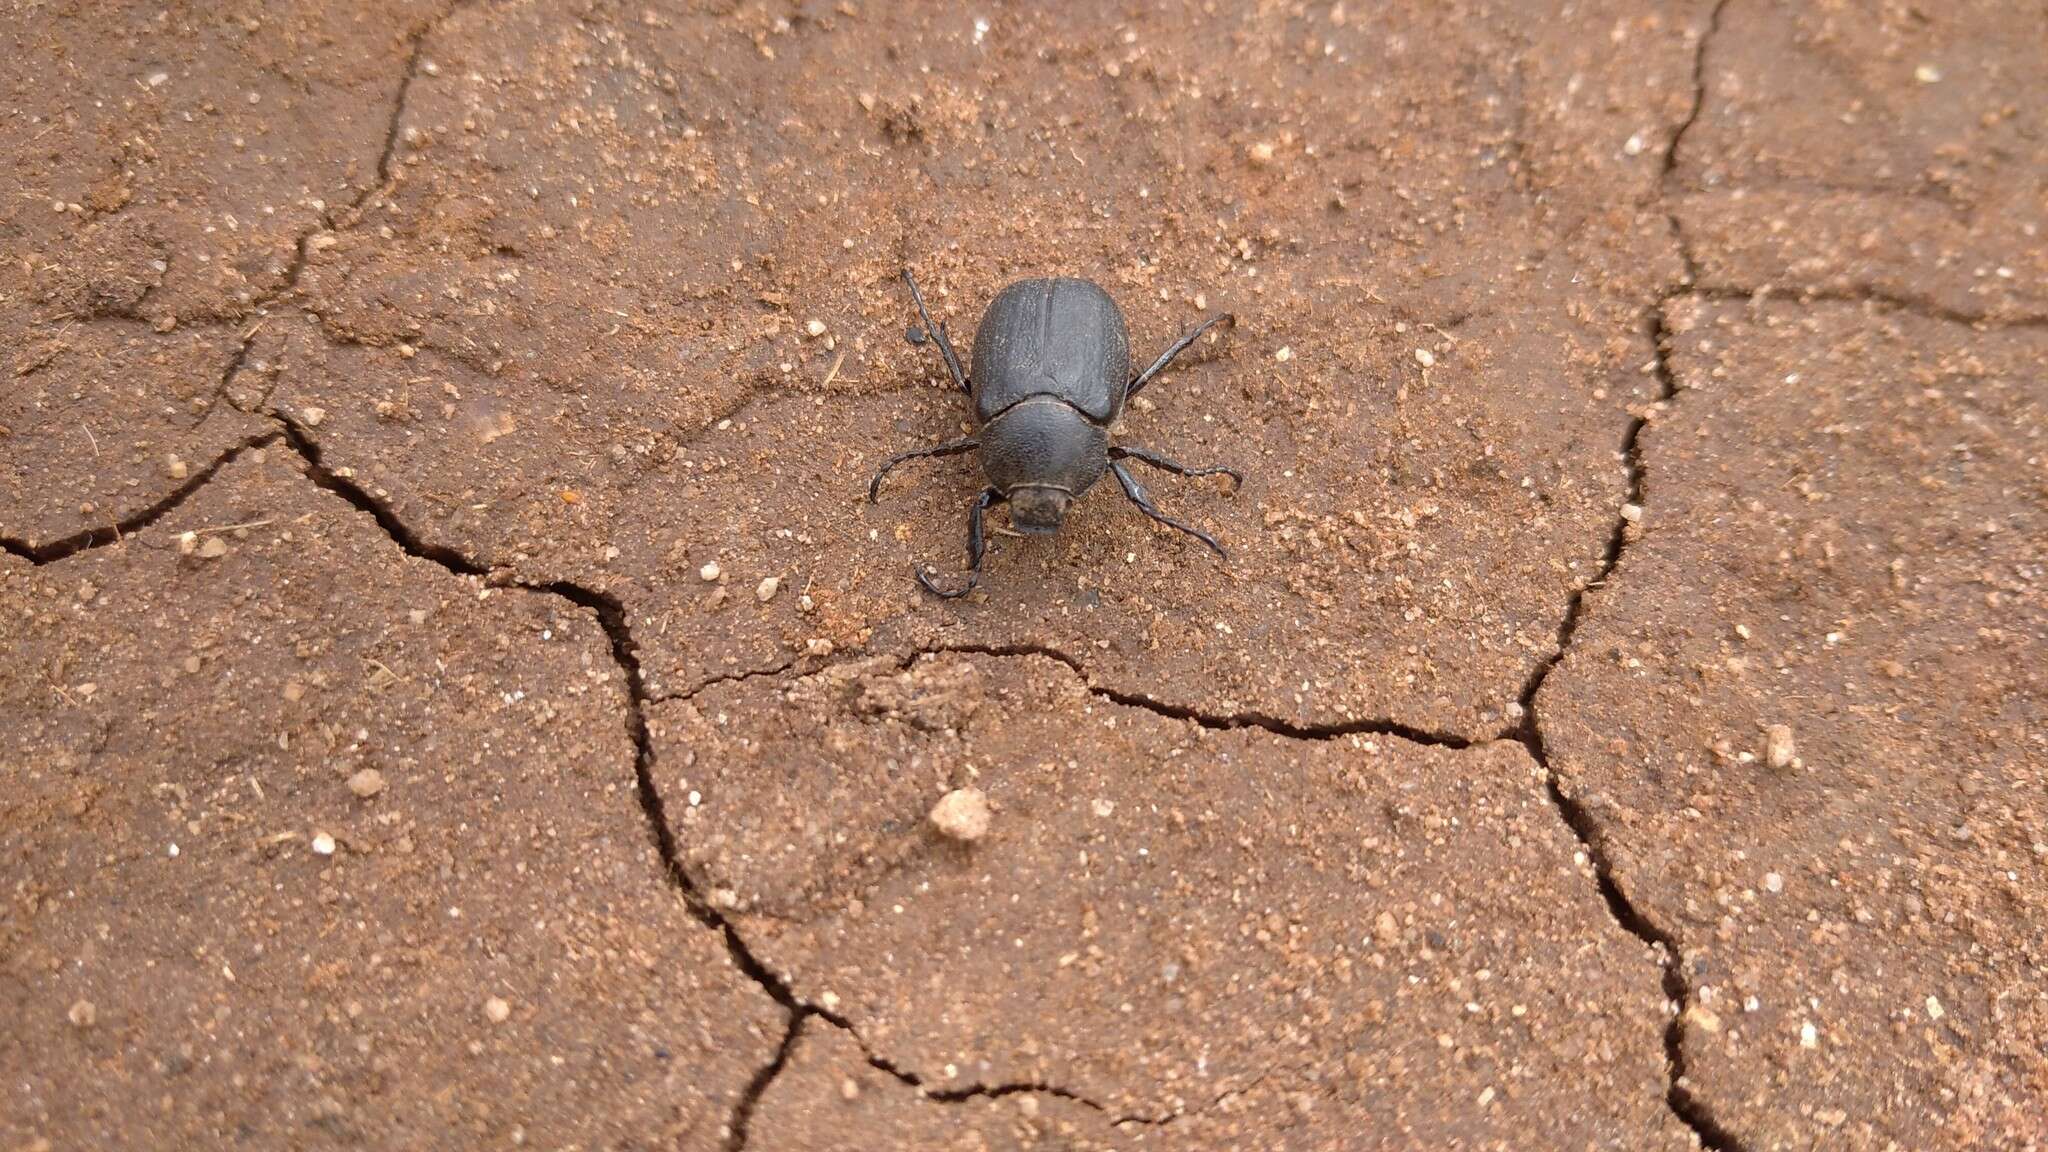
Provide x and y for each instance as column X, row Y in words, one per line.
column 1051, row 373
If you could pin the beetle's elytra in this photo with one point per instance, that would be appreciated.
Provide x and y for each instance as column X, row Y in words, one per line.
column 1051, row 373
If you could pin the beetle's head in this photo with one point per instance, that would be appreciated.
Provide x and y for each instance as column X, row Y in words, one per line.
column 1037, row 509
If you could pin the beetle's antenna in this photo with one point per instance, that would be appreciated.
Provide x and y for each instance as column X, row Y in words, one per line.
column 938, row 332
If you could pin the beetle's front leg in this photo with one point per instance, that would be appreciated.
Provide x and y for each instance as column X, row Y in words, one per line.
column 977, row 546
column 949, row 448
column 1145, row 456
column 1137, row 495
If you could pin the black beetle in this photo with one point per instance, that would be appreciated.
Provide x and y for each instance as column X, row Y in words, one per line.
column 1052, row 372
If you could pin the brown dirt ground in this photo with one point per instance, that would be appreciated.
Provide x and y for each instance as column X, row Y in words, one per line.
column 1572, row 337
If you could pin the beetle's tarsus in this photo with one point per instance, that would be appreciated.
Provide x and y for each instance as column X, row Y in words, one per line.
column 949, row 448
column 937, row 333
column 1147, row 456
column 1136, row 493
column 977, row 548
column 1179, row 346
column 925, row 582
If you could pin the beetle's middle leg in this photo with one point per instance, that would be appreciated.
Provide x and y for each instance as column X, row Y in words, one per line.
column 1145, row 456
column 1179, row 346
column 938, row 333
column 949, row 448
column 1137, row 495
column 977, row 548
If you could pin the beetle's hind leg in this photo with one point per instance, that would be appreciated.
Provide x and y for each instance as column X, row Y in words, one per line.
column 977, row 549
column 1137, row 495
column 949, row 448
column 1179, row 346
column 1146, row 456
column 938, row 333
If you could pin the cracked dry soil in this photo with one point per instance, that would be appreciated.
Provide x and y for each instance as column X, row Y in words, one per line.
column 378, row 767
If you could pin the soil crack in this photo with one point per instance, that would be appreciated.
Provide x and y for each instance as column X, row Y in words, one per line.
column 1215, row 721
column 1669, row 175
column 1678, row 1096
column 80, row 541
column 739, row 1127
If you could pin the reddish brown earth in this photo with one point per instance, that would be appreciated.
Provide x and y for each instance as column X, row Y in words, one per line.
column 1570, row 339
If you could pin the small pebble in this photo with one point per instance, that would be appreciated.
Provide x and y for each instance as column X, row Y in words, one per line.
column 1927, row 74
column 1778, row 748
column 175, row 467
column 366, row 783
column 1773, row 882
column 818, row 646
column 188, row 543
column 213, row 548
column 323, row 844
column 848, row 1089
column 815, row 327
column 1934, row 1009
column 766, row 589
column 1260, row 154
column 962, row 814
column 312, row 416
column 1809, row 1036
column 1284, row 354
column 497, row 1010
column 710, row 572
column 1425, row 357
column 294, row 691
column 1633, row 513
column 83, row 1014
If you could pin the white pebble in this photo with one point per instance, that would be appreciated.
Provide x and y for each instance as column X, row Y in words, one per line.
column 312, row 416
column 497, row 1010
column 323, row 844
column 1927, row 74
column 710, row 572
column 1934, row 1009
column 766, row 589
column 815, row 327
column 1809, row 1036
column 1773, row 882
column 962, row 814
column 1284, row 354
column 1779, row 751
column 1425, row 357
column 1633, row 513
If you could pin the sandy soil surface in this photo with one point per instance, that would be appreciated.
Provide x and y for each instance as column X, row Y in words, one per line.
column 456, row 687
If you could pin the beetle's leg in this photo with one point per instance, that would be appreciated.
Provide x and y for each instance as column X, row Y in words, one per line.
column 1145, row 456
column 977, row 547
column 938, row 332
column 1179, row 346
column 949, row 448
column 1136, row 492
